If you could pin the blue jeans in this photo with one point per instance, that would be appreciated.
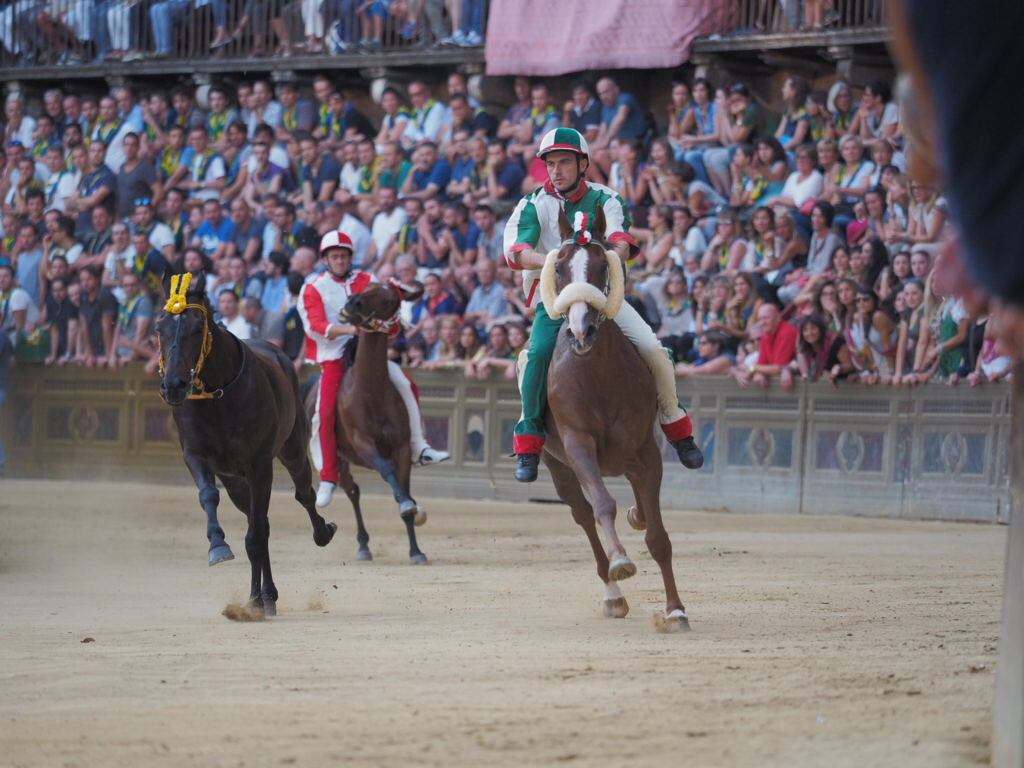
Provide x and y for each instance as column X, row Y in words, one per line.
column 345, row 12
column 473, row 16
column 695, row 157
column 100, row 31
column 163, row 17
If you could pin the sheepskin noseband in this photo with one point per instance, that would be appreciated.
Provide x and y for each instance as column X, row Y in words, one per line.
column 557, row 304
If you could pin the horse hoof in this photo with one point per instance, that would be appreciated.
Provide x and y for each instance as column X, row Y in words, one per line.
column 621, row 569
column 221, row 554
column 407, row 508
column 635, row 521
column 421, row 517
column 269, row 607
column 676, row 621
column 419, row 559
column 332, row 528
column 616, row 609
column 364, row 554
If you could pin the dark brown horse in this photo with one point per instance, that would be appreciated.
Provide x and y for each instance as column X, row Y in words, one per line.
column 373, row 423
column 237, row 408
column 601, row 413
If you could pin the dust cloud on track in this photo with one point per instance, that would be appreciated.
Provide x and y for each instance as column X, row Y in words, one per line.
column 816, row 641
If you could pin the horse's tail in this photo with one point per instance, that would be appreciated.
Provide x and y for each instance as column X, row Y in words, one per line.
column 307, row 386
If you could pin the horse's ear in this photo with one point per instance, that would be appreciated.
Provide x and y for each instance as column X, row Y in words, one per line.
column 408, row 291
column 564, row 226
column 600, row 225
column 165, row 283
column 198, row 284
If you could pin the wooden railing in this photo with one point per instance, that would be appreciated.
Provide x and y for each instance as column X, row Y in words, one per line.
column 774, row 17
column 174, row 32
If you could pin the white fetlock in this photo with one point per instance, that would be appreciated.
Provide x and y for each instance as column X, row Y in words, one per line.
column 324, row 493
column 429, row 456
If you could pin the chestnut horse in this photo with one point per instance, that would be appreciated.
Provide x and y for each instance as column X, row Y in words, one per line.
column 602, row 408
column 237, row 408
column 373, row 423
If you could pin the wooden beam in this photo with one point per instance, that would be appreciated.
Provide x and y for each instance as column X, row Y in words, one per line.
column 813, row 40
column 788, row 61
column 411, row 58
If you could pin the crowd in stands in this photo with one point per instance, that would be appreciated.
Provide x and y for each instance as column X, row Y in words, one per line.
column 70, row 32
column 773, row 247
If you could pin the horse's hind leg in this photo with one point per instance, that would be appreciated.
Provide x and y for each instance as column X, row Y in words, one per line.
column 263, row 593
column 241, row 496
column 581, row 452
column 570, row 491
column 646, row 482
column 296, row 461
column 348, row 484
column 209, row 499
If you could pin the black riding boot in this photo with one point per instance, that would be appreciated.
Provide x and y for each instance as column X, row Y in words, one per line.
column 526, row 469
column 689, row 453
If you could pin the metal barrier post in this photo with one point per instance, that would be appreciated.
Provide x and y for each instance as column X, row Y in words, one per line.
column 1008, row 709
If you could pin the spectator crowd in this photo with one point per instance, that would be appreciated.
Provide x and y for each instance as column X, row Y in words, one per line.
column 773, row 246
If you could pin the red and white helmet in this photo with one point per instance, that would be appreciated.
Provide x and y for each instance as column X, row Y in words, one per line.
column 336, row 240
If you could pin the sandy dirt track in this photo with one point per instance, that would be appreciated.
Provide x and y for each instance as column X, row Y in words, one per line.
column 815, row 642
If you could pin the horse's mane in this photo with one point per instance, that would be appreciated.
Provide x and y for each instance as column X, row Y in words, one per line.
column 350, row 351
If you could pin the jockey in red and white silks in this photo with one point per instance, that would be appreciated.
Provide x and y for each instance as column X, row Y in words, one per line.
column 320, row 303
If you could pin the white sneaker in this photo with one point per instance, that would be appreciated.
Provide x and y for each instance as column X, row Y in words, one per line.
column 429, row 456
column 473, row 38
column 324, row 493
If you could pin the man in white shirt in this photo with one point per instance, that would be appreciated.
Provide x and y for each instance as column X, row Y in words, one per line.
column 17, row 311
column 386, row 226
column 429, row 118
column 348, row 182
column 263, row 108
column 278, row 154
column 20, row 127
column 233, row 320
column 160, row 235
column 207, row 175
column 62, row 182
column 360, row 235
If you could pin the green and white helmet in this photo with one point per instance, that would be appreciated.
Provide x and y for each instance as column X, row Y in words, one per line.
column 564, row 140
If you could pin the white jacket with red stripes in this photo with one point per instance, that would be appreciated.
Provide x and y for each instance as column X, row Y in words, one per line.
column 320, row 302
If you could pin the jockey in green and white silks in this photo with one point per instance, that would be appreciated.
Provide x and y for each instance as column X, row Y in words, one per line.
column 531, row 232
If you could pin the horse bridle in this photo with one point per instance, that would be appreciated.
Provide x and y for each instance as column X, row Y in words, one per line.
column 375, row 324
column 196, row 388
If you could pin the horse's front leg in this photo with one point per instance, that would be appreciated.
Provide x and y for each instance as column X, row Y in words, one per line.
column 209, row 499
column 581, row 453
column 263, row 593
column 570, row 491
column 407, row 506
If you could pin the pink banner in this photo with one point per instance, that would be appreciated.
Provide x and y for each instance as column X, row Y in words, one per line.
column 553, row 37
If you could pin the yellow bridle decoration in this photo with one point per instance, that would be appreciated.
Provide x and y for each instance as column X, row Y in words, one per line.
column 176, row 304
column 177, row 301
